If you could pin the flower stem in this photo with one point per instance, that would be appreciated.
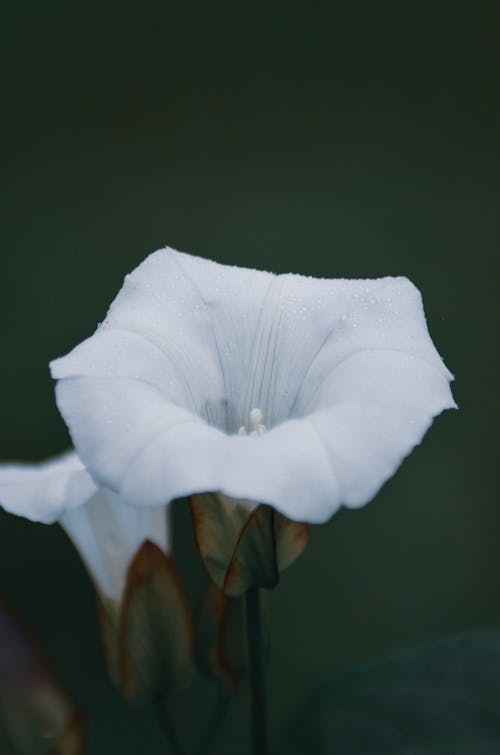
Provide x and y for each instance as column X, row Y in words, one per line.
column 216, row 720
column 256, row 672
column 167, row 726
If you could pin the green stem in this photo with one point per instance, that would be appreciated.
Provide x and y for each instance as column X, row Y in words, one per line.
column 167, row 726
column 256, row 672
column 216, row 720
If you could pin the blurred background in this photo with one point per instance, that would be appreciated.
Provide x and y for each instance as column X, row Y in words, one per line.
column 340, row 139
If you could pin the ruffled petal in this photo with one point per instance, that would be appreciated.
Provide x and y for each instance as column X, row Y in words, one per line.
column 41, row 492
column 183, row 325
column 344, row 373
column 379, row 405
column 106, row 531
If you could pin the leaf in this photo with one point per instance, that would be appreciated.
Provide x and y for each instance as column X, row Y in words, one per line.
column 440, row 699
column 220, row 649
column 244, row 547
column 71, row 740
column 155, row 628
column 218, row 522
column 475, row 749
column 254, row 561
column 291, row 540
column 108, row 613
column 36, row 715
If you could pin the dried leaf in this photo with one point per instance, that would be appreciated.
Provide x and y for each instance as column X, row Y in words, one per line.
column 220, row 636
column 291, row 540
column 218, row 522
column 36, row 715
column 244, row 547
column 109, row 618
column 71, row 741
column 155, row 631
column 254, row 562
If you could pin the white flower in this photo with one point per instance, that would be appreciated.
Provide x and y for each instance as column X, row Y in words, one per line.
column 301, row 393
column 106, row 530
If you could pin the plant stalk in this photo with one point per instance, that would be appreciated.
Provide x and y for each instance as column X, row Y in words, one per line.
column 167, row 726
column 256, row 673
column 216, row 720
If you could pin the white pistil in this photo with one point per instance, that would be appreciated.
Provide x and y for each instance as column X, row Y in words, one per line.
column 257, row 427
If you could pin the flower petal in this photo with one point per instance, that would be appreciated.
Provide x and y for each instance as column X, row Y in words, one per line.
column 183, row 325
column 41, row 492
column 287, row 467
column 344, row 373
column 107, row 532
column 382, row 405
column 368, row 316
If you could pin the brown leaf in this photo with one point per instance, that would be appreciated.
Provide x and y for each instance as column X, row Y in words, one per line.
column 218, row 522
column 35, row 712
column 244, row 545
column 220, row 636
column 254, row 563
column 291, row 540
column 155, row 629
column 71, row 741
column 108, row 613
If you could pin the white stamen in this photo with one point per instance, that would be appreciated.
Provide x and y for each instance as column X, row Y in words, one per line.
column 257, row 427
column 256, row 418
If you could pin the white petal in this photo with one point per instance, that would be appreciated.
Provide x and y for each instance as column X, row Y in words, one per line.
column 184, row 455
column 378, row 315
column 133, row 419
column 41, row 492
column 107, row 532
column 343, row 372
column 383, row 403
column 183, row 325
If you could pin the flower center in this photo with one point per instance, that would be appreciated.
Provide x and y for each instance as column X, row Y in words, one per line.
column 256, row 425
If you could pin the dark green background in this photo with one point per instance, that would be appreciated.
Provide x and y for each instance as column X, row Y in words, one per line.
column 342, row 139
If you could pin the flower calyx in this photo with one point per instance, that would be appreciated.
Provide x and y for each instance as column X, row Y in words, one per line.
column 147, row 638
column 244, row 545
column 220, row 627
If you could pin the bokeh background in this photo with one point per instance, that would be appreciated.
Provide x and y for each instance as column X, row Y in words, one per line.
column 339, row 139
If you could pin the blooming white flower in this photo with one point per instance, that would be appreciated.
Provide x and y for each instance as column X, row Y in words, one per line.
column 301, row 393
column 106, row 530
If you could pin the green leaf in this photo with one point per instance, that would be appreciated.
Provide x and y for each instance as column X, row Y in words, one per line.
column 475, row 749
column 440, row 699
